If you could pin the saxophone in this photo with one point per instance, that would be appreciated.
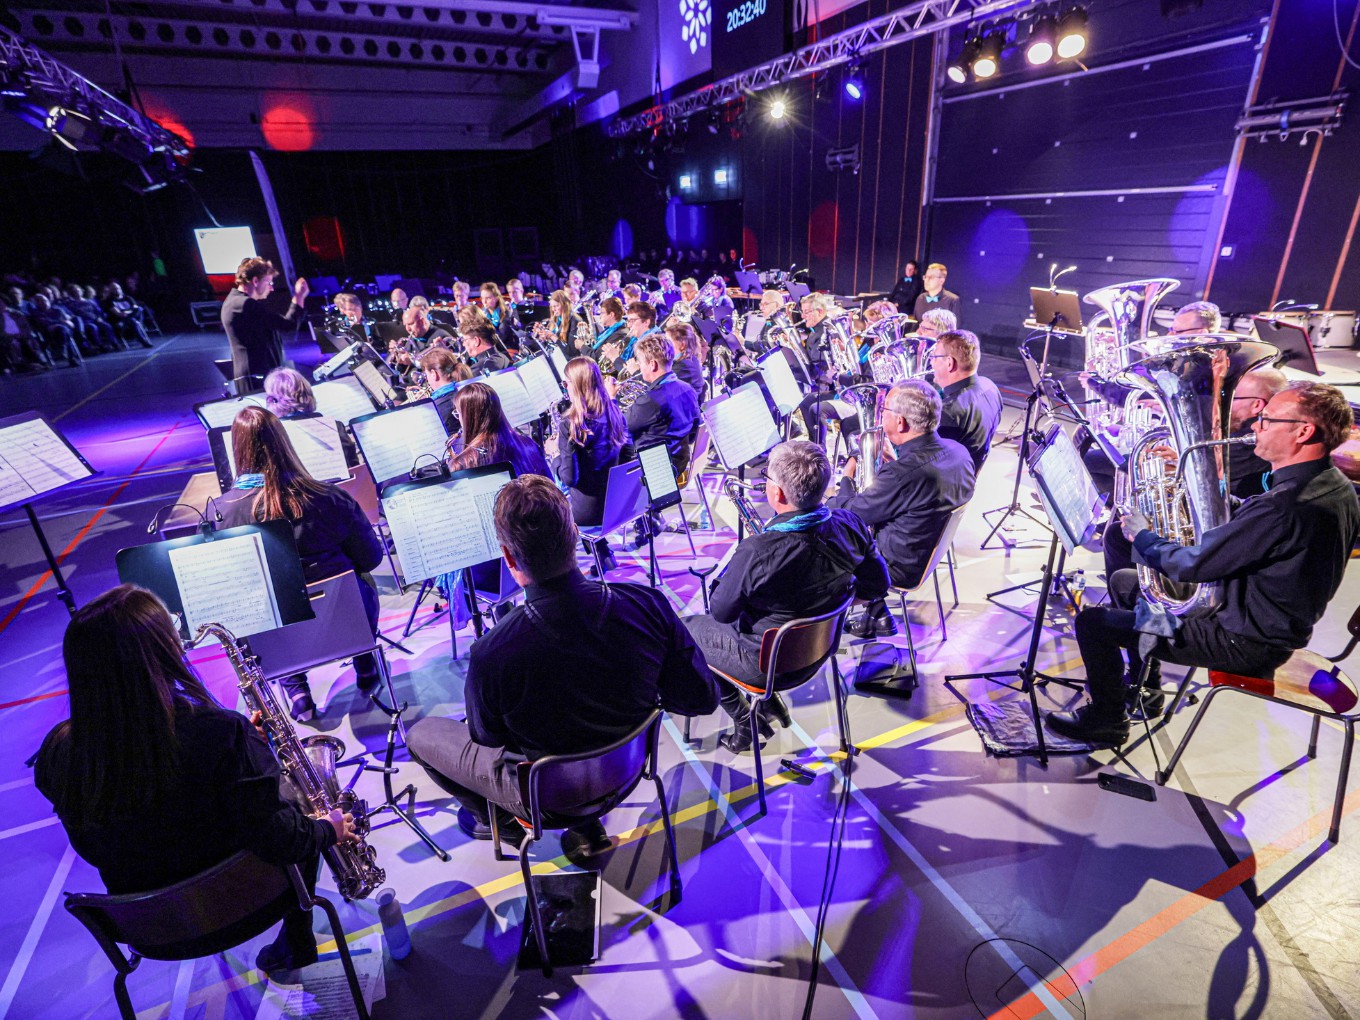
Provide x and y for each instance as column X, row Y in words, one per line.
column 736, row 491
column 308, row 767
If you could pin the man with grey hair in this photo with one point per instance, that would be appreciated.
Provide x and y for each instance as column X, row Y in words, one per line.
column 816, row 309
column 1197, row 317
column 937, row 321
column 910, row 499
column 807, row 561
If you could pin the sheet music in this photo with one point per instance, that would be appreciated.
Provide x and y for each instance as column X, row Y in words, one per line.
column 1072, row 497
column 445, row 527
column 541, row 384
column 515, row 401
column 374, row 382
column 318, row 446
column 34, row 460
column 741, row 425
column 342, row 399
column 392, row 441
column 657, row 471
column 223, row 412
column 559, row 361
column 754, row 324
column 781, row 382
column 226, row 581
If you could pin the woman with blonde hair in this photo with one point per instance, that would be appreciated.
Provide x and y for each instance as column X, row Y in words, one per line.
column 591, row 439
column 563, row 321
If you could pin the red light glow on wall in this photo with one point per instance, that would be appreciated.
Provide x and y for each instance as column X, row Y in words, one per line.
column 324, row 238
column 289, row 123
column 750, row 251
column 822, row 229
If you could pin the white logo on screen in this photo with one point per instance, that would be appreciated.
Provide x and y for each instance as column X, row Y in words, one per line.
column 696, row 16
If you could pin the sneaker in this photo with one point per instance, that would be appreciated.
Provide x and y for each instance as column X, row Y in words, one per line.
column 1090, row 725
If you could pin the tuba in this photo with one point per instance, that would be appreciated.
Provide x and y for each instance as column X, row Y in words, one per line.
column 1128, row 307
column 841, row 348
column 1193, row 378
column 308, row 767
column 868, row 398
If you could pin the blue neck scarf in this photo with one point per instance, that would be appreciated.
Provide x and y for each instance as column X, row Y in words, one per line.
column 446, row 388
column 802, row 522
column 250, row 481
column 495, row 316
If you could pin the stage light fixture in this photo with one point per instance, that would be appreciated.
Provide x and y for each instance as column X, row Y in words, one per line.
column 720, row 177
column 686, row 182
column 778, row 109
column 958, row 70
column 1041, row 40
column 854, row 82
column 1072, row 34
column 988, row 60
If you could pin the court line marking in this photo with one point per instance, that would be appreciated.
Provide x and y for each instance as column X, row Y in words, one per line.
column 117, row 379
column 19, row 830
column 35, row 929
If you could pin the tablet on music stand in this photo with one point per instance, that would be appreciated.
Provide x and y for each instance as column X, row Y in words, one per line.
column 1296, row 350
column 658, row 475
column 1062, row 308
column 748, row 282
column 248, row 579
column 1065, row 488
column 444, row 524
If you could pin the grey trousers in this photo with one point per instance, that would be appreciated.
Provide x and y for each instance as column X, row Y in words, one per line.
column 475, row 774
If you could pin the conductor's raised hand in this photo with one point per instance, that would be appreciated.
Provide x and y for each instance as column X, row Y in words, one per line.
column 300, row 290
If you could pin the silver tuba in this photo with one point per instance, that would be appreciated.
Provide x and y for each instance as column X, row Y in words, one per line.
column 894, row 355
column 308, row 767
column 840, row 345
column 1128, row 307
column 1193, row 377
column 868, row 452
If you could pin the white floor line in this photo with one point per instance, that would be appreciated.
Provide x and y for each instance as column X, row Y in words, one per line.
column 19, row 830
column 35, row 930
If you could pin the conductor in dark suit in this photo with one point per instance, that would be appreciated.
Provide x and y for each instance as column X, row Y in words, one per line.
column 252, row 328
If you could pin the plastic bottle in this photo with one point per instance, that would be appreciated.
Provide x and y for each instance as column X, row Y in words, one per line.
column 394, row 924
column 1079, row 588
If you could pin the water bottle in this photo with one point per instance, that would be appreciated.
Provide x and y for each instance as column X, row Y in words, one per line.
column 1078, row 588
column 394, row 924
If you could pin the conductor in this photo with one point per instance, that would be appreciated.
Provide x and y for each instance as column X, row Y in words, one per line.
column 252, row 328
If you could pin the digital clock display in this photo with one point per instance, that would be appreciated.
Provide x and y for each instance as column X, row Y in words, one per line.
column 747, row 33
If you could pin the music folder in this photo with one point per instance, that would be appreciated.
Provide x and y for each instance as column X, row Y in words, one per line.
column 36, row 459
column 776, row 370
column 445, row 523
column 248, row 579
column 1296, row 350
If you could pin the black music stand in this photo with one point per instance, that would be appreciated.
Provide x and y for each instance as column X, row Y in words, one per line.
column 36, row 460
column 663, row 491
column 743, row 425
column 625, row 500
column 1070, row 498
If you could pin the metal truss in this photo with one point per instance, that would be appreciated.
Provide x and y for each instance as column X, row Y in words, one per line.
column 921, row 18
column 1304, row 117
column 43, row 79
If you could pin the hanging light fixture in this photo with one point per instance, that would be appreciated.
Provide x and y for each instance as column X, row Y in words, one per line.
column 1042, row 39
column 988, row 60
column 958, row 70
column 1072, row 34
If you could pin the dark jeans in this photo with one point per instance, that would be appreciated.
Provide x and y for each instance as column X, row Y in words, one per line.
column 475, row 774
column 1105, row 633
column 1118, row 549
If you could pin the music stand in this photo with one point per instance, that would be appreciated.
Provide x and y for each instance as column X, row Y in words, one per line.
column 394, row 439
column 1296, row 350
column 780, row 380
column 1073, row 504
column 213, row 414
column 741, row 426
column 342, row 399
column 748, row 282
column 797, row 291
column 35, row 460
column 625, row 500
column 315, row 438
column 663, row 491
column 1058, row 311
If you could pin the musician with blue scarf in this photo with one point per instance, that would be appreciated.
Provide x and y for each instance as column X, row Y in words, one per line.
column 807, row 561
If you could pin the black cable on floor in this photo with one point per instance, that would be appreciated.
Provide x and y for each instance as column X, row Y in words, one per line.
column 833, row 863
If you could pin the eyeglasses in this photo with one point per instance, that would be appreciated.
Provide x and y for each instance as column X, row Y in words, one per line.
column 936, row 357
column 1262, row 420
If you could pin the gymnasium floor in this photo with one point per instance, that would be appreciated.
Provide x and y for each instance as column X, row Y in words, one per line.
column 966, row 885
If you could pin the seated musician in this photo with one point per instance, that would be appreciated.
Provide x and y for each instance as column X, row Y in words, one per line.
column 639, row 319
column 443, row 372
column 631, row 292
column 347, row 320
column 667, row 410
column 502, row 316
column 1280, row 559
column 972, row 403
column 514, row 294
column 912, row 493
column 667, row 293
column 936, row 322
column 154, row 781
column 564, row 323
column 421, row 335
column 688, row 366
column 775, row 315
column 332, row 532
column 808, row 560
column 462, row 295
column 612, row 286
column 479, row 343
column 488, row 437
column 816, row 309
column 400, row 302
column 611, row 327
column 575, row 668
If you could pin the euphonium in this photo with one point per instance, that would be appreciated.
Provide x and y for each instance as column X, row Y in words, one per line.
column 868, row 397
column 785, row 334
column 1129, row 308
column 736, row 492
column 841, row 346
column 1193, row 378
column 308, row 766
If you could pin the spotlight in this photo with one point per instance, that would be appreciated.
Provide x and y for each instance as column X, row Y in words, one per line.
column 988, row 60
column 958, row 70
column 1041, row 40
column 778, row 109
column 1072, row 34
column 854, row 82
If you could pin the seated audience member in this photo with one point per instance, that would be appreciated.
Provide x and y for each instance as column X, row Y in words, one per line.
column 121, row 312
column 332, row 532
column 1280, row 559
column 577, row 667
column 155, row 782
column 972, row 403
column 488, row 437
column 479, row 343
column 909, row 502
column 667, row 411
column 808, row 561
column 56, row 332
column 97, row 328
column 688, row 367
column 20, row 347
column 934, row 295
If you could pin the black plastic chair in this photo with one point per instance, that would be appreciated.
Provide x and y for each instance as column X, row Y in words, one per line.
column 220, row 908
column 564, row 790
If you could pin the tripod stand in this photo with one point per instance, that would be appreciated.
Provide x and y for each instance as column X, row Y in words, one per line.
column 1016, row 507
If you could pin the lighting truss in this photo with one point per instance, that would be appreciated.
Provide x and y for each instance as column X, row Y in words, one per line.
column 912, row 21
column 1320, row 116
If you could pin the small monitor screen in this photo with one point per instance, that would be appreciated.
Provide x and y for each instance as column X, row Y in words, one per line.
column 658, row 475
column 224, row 248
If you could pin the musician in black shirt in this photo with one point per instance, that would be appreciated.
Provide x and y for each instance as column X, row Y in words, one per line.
column 154, row 781
column 479, row 341
column 933, row 294
column 1280, row 559
column 912, row 495
column 252, row 329
column 667, row 410
column 575, row 668
column 906, row 290
column 971, row 404
column 807, row 561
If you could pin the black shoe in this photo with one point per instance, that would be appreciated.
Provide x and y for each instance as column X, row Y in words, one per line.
column 1150, row 706
column 777, row 709
column 871, row 622
column 1091, row 726
column 739, row 740
column 584, row 844
column 512, row 833
column 284, row 954
column 368, row 685
column 302, row 708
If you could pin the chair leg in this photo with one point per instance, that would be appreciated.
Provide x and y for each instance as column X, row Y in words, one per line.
column 939, row 607
column 1335, row 834
column 688, row 720
column 953, row 581
column 342, row 945
column 755, row 749
column 1180, row 693
column 676, row 886
column 1312, row 737
column 534, row 910
column 911, row 644
column 1165, row 774
column 842, row 710
column 496, row 834
column 120, row 994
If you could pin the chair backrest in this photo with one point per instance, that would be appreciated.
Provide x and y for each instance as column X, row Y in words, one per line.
column 339, row 630
column 207, row 914
column 564, row 784
column 802, row 643
column 360, row 485
column 942, row 544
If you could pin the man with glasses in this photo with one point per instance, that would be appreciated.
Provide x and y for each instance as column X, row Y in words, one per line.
column 971, row 408
column 912, row 495
column 1280, row 560
column 639, row 319
column 807, row 561
column 934, row 295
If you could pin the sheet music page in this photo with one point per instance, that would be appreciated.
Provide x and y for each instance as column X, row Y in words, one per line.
column 223, row 412
column 754, row 324
column 515, row 401
column 226, row 581
column 34, row 460
column 1071, row 488
column 374, row 381
column 541, row 384
column 559, row 360
column 342, row 399
column 741, row 425
column 317, row 442
column 658, row 471
column 780, row 381
column 392, row 441
column 445, row 527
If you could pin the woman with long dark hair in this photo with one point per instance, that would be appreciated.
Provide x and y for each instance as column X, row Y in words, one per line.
column 488, row 437
column 153, row 780
column 332, row 533
column 592, row 438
